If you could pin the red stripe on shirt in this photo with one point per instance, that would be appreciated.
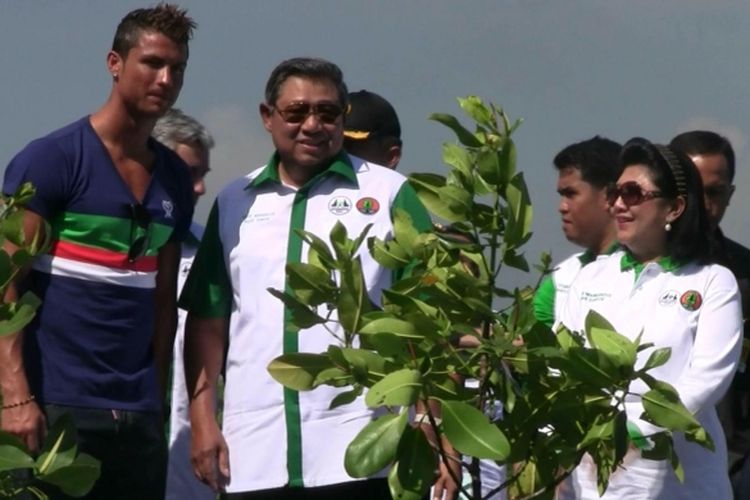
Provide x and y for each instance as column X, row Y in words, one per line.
column 102, row 257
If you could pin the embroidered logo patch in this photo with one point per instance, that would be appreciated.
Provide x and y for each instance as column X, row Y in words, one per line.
column 368, row 206
column 339, row 205
column 167, row 206
column 691, row 300
column 669, row 297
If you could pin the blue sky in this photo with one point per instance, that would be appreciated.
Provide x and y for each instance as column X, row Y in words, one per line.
column 570, row 68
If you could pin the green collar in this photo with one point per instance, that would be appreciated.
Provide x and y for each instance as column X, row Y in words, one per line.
column 629, row 262
column 340, row 165
column 588, row 256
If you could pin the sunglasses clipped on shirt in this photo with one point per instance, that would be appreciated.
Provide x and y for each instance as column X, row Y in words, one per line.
column 139, row 218
column 631, row 193
column 297, row 112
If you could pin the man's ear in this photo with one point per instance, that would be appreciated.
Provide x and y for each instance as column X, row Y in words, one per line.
column 731, row 192
column 114, row 64
column 394, row 156
column 265, row 114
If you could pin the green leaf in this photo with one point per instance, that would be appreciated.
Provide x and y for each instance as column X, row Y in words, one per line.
column 447, row 202
column 658, row 358
column 298, row 370
column 13, row 453
column 399, row 388
column 417, row 462
column 663, row 407
column 319, row 253
column 311, row 285
column 404, row 230
column 335, row 377
column 77, row 478
column 458, row 158
column 301, row 316
column 618, row 348
column 477, row 111
column 60, row 448
column 362, row 236
column 375, row 446
column 488, row 165
column 389, row 254
column 344, row 398
column 464, row 136
column 471, row 433
column 353, row 301
column 521, row 211
column 340, row 241
column 12, row 228
column 507, row 160
column 15, row 316
column 393, row 326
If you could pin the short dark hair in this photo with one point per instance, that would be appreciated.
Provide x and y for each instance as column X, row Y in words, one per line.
column 306, row 67
column 705, row 142
column 167, row 19
column 598, row 160
column 675, row 174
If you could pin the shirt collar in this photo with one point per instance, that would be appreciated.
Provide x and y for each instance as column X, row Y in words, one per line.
column 588, row 256
column 340, row 165
column 627, row 262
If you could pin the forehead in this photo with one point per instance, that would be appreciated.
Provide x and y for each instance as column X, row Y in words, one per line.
column 150, row 42
column 639, row 173
column 301, row 88
column 569, row 177
column 712, row 167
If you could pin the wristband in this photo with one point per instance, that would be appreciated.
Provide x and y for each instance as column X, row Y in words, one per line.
column 20, row 403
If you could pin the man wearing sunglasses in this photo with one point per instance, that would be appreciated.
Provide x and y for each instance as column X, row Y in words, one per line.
column 276, row 442
column 713, row 155
column 585, row 171
column 116, row 204
column 192, row 142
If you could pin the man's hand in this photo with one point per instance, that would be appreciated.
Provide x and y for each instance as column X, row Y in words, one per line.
column 210, row 455
column 445, row 486
column 26, row 422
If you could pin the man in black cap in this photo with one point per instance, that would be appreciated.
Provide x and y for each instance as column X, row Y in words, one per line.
column 372, row 130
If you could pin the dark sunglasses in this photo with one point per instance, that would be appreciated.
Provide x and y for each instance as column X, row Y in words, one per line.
column 297, row 112
column 631, row 193
column 139, row 218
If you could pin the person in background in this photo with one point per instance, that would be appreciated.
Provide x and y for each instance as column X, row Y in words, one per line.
column 372, row 130
column 192, row 142
column 117, row 204
column 713, row 155
column 585, row 170
column 664, row 288
column 276, row 442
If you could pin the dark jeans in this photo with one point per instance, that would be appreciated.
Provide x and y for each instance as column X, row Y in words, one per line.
column 130, row 445
column 369, row 489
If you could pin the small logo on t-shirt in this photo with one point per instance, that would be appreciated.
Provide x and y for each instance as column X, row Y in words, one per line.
column 691, row 300
column 168, row 208
column 368, row 206
column 669, row 297
column 339, row 205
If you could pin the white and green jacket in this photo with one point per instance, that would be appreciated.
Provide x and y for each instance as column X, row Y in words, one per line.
column 277, row 436
column 695, row 311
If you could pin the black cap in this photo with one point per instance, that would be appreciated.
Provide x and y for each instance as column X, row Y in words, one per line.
column 370, row 115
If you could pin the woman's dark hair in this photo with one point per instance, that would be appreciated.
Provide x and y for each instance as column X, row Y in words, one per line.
column 674, row 174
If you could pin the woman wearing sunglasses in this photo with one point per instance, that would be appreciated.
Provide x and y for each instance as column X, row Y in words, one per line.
column 663, row 285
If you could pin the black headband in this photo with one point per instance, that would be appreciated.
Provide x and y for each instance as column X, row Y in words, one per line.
column 678, row 172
